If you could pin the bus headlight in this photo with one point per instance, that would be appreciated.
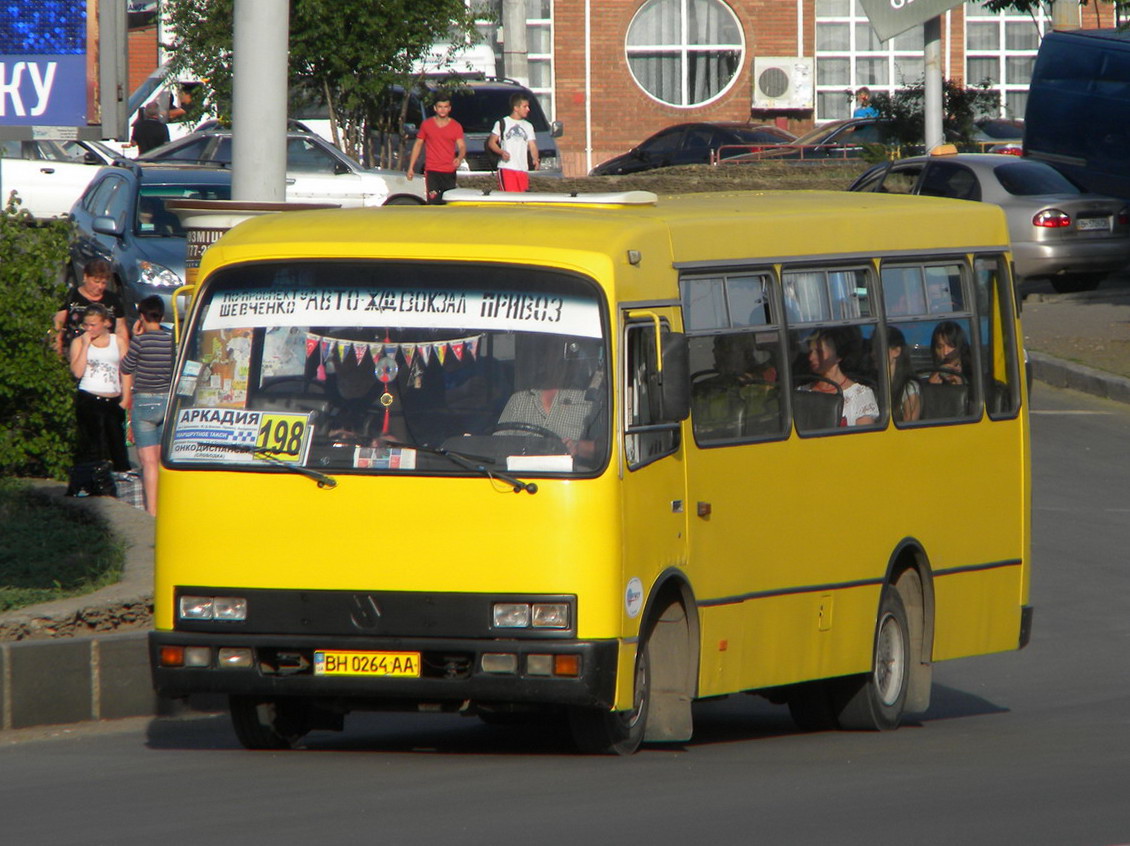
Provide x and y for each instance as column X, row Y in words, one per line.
column 227, row 608
column 538, row 615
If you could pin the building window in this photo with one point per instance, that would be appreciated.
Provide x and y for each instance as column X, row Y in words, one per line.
column 849, row 54
column 685, row 52
column 539, row 52
column 1000, row 50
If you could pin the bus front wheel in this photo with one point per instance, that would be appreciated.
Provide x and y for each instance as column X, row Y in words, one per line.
column 875, row 701
column 268, row 723
column 597, row 732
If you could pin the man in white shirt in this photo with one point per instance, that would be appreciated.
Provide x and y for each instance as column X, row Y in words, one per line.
column 516, row 141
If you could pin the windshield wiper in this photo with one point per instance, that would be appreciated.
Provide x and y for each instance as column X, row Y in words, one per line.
column 271, row 455
column 468, row 463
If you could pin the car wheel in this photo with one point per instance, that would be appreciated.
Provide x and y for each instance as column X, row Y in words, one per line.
column 404, row 201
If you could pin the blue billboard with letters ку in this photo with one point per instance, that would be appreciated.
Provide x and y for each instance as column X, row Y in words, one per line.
column 44, row 78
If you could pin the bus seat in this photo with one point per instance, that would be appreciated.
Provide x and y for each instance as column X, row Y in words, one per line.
column 817, row 410
column 944, row 400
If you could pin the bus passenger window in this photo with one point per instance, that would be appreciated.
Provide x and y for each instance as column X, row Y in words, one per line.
column 738, row 395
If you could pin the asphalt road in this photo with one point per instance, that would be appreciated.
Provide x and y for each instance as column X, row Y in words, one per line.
column 1020, row 748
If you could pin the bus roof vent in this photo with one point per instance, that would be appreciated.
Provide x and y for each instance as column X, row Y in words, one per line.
column 612, row 198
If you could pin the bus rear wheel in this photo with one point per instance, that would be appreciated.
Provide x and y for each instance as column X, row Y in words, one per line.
column 269, row 723
column 598, row 732
column 875, row 701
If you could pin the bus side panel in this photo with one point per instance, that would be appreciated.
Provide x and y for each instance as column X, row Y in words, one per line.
column 779, row 640
column 977, row 612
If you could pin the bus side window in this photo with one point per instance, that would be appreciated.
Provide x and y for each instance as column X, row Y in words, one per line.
column 999, row 365
column 642, row 405
column 736, row 394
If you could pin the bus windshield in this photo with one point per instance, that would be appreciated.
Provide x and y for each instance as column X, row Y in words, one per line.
column 394, row 367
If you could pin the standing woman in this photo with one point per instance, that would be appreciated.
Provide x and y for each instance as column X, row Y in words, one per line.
column 99, row 407
column 96, row 277
column 147, row 373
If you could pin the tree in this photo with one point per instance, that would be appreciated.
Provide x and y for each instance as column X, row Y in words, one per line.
column 1032, row 7
column 961, row 107
column 347, row 52
column 37, row 420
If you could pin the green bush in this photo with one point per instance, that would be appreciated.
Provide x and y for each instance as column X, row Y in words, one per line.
column 36, row 389
column 51, row 549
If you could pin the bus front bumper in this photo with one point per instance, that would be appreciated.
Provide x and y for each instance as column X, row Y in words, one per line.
column 441, row 671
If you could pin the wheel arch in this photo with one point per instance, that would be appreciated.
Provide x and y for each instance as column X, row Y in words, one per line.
column 909, row 572
column 670, row 626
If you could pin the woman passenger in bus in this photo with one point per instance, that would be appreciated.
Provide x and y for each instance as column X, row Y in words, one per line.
column 951, row 354
column 904, row 387
column 827, row 349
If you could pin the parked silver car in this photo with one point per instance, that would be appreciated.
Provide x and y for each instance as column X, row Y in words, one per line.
column 316, row 170
column 1058, row 231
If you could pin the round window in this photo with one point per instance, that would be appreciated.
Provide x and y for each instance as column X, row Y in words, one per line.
column 685, row 52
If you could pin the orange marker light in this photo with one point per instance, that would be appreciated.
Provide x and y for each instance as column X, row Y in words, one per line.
column 172, row 656
column 567, row 665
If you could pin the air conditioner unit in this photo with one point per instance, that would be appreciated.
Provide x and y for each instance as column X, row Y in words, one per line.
column 782, row 82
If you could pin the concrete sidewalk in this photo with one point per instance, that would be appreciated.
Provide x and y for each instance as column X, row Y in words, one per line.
column 86, row 658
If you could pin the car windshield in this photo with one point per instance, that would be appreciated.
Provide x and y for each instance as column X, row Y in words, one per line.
column 154, row 220
column 1026, row 179
column 394, row 367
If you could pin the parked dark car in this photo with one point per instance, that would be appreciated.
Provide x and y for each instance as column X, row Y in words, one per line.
column 1058, row 231
column 840, row 139
column 121, row 217
column 694, row 143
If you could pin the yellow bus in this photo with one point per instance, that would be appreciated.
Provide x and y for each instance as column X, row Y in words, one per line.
column 595, row 457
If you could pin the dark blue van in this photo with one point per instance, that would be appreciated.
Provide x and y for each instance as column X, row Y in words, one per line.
column 1078, row 114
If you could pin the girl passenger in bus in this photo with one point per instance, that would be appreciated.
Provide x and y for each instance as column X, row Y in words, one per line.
column 951, row 354
column 904, row 387
column 827, row 349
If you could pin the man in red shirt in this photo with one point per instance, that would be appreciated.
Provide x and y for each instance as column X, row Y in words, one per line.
column 444, row 151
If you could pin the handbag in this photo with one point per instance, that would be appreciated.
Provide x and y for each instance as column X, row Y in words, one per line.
column 92, row 478
column 491, row 157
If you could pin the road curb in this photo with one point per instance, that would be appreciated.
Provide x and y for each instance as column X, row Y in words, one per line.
column 1078, row 377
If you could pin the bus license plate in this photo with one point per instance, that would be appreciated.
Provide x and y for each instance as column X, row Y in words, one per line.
column 381, row 664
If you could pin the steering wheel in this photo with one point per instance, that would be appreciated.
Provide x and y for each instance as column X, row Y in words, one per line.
column 532, row 428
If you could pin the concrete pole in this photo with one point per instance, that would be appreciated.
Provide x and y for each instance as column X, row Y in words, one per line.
column 515, row 56
column 933, row 105
column 1065, row 15
column 259, row 97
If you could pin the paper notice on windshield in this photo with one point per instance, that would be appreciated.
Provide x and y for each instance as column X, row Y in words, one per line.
column 233, row 436
column 524, row 311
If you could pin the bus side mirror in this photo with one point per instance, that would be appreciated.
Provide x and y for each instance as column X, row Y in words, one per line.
column 675, row 379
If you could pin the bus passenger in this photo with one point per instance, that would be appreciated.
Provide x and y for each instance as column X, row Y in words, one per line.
column 951, row 354
column 827, row 349
column 905, row 392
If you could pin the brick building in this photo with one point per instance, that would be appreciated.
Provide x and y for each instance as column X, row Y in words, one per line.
column 615, row 71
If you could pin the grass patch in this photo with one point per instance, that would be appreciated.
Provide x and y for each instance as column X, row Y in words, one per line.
column 52, row 549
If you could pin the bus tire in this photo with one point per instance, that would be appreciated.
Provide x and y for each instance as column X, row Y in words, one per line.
column 599, row 732
column 268, row 723
column 875, row 701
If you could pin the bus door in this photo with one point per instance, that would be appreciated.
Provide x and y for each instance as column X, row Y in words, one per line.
column 736, row 437
column 654, row 523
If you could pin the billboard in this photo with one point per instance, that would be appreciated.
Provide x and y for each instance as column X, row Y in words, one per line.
column 62, row 68
column 892, row 17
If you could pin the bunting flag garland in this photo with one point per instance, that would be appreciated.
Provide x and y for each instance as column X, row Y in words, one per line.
column 417, row 355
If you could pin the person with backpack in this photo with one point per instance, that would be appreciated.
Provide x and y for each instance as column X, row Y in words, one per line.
column 512, row 139
column 441, row 138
